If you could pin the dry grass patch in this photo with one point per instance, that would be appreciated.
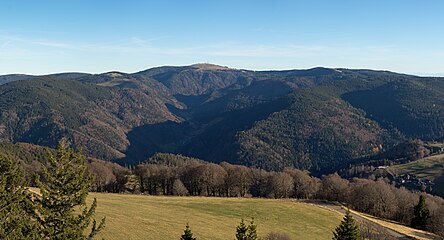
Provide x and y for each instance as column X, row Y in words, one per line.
column 397, row 227
column 164, row 218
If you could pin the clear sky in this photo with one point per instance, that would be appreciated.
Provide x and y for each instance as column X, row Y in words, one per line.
column 42, row 36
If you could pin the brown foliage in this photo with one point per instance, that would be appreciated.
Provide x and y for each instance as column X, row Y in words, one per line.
column 277, row 236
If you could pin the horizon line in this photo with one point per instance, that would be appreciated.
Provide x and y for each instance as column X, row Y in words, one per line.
column 419, row 74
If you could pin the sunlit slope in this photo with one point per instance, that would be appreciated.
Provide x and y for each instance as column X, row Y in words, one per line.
column 431, row 168
column 149, row 217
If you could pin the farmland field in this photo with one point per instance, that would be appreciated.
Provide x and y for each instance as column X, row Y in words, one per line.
column 164, row 218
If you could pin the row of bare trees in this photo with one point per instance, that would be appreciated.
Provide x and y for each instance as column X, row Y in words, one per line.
column 382, row 199
column 224, row 180
column 196, row 178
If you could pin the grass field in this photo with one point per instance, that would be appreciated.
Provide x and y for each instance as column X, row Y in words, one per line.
column 430, row 167
column 164, row 218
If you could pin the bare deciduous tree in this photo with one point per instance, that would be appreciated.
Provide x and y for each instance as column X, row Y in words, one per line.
column 282, row 184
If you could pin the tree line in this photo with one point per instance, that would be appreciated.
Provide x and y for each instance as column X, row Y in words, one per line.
column 179, row 176
column 168, row 174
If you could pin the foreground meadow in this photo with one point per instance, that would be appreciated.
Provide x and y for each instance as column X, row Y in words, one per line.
column 164, row 218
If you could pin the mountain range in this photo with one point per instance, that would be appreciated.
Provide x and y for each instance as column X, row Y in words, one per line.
column 318, row 119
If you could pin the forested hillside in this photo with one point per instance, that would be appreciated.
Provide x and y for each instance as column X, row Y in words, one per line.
column 44, row 110
column 318, row 119
column 414, row 106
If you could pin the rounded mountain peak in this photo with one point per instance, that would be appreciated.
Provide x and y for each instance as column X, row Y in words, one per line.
column 208, row 66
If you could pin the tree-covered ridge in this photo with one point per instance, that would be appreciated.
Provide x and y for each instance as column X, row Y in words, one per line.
column 14, row 77
column 319, row 119
column 318, row 131
column 43, row 111
column 415, row 106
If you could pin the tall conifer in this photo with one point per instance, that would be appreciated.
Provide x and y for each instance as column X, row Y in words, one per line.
column 16, row 206
column 421, row 214
column 64, row 187
column 347, row 230
column 251, row 233
column 241, row 231
column 244, row 232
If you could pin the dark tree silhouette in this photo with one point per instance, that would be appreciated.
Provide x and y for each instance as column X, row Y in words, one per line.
column 421, row 214
column 347, row 230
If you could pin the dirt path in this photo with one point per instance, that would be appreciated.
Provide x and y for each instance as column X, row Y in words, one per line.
column 378, row 223
column 340, row 209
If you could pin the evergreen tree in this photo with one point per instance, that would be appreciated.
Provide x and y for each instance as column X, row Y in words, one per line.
column 64, row 187
column 187, row 235
column 244, row 232
column 421, row 214
column 241, row 231
column 16, row 206
column 347, row 230
column 251, row 233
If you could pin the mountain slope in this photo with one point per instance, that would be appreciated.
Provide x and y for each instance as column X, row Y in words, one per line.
column 44, row 110
column 318, row 119
column 415, row 107
column 317, row 131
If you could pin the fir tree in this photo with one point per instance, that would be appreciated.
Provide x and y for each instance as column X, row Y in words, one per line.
column 16, row 206
column 421, row 214
column 347, row 230
column 244, row 232
column 251, row 233
column 241, row 231
column 187, row 234
column 64, row 188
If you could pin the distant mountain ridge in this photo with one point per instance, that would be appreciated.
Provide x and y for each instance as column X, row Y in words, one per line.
column 319, row 119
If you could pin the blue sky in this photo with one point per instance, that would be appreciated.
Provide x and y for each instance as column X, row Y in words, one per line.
column 39, row 37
